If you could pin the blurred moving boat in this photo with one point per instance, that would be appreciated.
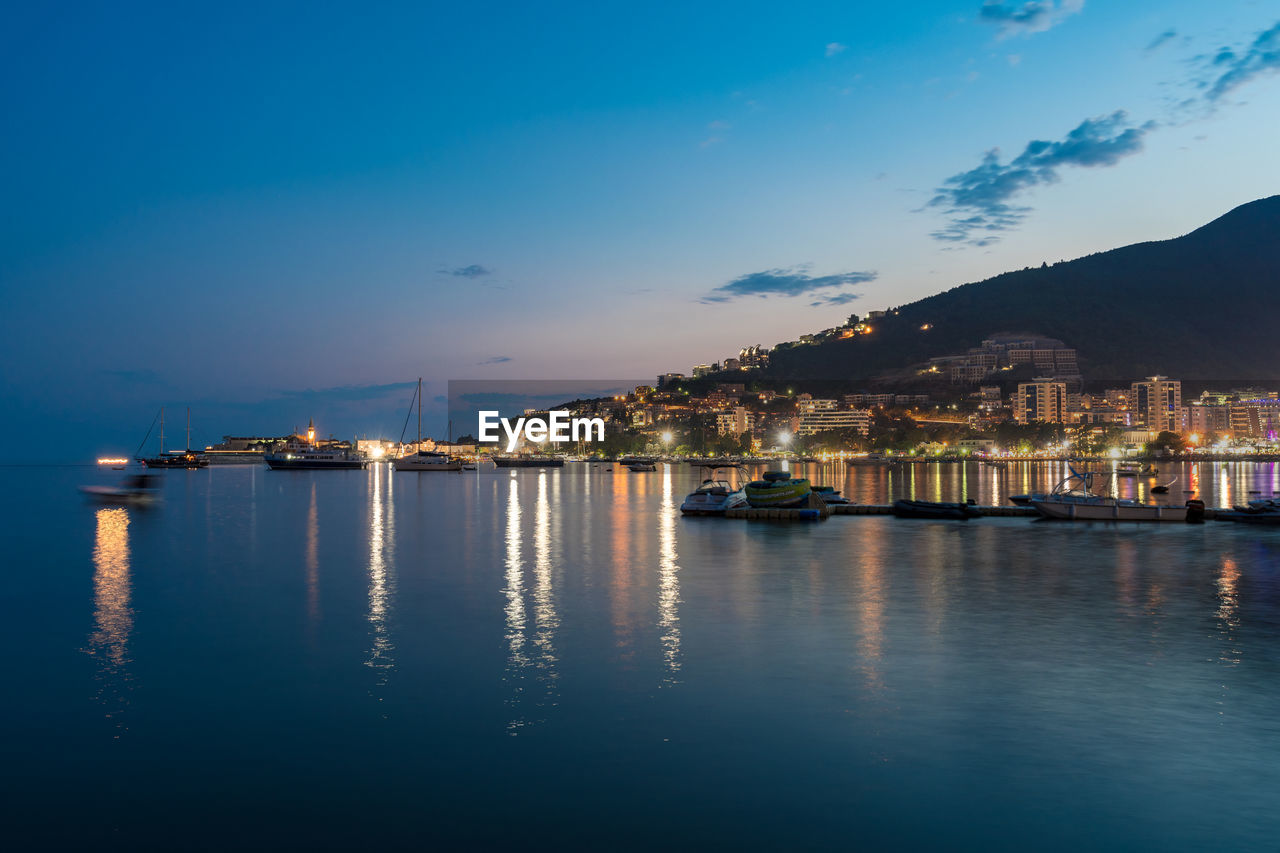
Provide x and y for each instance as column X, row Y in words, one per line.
column 714, row 496
column 137, row 489
column 937, row 510
column 778, row 489
column 424, row 460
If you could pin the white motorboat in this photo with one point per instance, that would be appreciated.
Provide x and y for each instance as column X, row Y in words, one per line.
column 1107, row 509
column 714, row 497
column 1075, row 500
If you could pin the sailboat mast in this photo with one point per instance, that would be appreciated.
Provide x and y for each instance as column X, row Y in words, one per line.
column 162, row 430
column 188, row 427
column 419, row 414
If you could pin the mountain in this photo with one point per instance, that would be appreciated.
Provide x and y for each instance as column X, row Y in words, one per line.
column 1194, row 307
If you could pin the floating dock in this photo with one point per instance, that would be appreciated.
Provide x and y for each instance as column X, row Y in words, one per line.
column 812, row 513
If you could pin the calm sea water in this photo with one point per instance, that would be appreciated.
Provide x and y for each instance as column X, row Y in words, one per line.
column 557, row 659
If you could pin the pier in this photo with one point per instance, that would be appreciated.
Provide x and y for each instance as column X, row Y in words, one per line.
column 811, row 513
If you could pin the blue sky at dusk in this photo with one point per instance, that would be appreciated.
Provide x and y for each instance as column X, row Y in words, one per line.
column 245, row 207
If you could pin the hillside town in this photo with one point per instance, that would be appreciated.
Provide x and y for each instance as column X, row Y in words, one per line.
column 1013, row 394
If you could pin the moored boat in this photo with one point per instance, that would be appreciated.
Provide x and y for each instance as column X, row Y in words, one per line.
column 316, row 459
column 1108, row 509
column 1075, row 500
column 830, row 495
column 713, row 497
column 778, row 489
column 175, row 458
column 427, row 460
column 1266, row 511
column 935, row 510
column 528, row 461
column 424, row 460
column 875, row 457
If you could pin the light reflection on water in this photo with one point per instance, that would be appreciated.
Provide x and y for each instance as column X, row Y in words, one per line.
column 668, row 580
column 1218, row 484
column 1112, row 681
column 112, row 611
column 382, row 573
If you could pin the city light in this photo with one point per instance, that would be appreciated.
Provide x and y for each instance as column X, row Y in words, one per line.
column 112, row 460
column 666, row 437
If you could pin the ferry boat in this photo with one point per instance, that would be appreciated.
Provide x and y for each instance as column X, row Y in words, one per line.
column 305, row 453
column 316, row 459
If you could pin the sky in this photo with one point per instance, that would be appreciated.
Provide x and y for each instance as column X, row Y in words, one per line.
column 273, row 212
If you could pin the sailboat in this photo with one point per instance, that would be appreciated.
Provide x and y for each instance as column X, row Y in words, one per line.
column 173, row 459
column 425, row 460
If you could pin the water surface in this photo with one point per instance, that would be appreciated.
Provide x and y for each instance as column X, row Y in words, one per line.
column 556, row 658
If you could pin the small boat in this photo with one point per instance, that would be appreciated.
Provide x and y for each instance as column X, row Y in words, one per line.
column 1133, row 469
column 830, row 495
column 528, row 461
column 1074, row 500
column 777, row 489
column 938, row 510
column 713, row 497
column 136, row 490
column 641, row 467
column 424, row 460
column 632, row 459
column 427, row 460
column 1265, row 511
column 875, row 457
